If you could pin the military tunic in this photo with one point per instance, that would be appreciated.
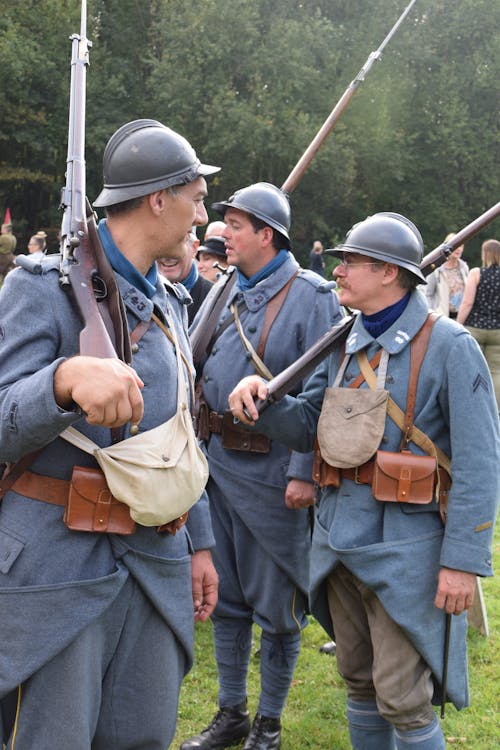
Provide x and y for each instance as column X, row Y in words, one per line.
column 397, row 549
column 56, row 584
column 252, row 484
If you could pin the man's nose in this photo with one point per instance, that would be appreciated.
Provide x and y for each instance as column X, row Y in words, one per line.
column 201, row 216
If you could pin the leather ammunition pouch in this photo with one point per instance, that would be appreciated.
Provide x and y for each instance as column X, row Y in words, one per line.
column 403, row 477
column 92, row 507
column 234, row 437
column 88, row 503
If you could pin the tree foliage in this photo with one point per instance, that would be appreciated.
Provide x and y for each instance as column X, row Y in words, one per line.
column 249, row 83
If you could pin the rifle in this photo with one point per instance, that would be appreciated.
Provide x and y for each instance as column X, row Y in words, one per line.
column 84, row 268
column 202, row 334
column 280, row 385
column 332, row 119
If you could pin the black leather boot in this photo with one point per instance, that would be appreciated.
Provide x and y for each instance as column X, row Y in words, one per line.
column 230, row 725
column 265, row 734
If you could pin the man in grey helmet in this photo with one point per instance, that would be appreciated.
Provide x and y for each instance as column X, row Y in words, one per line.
column 98, row 627
column 391, row 565
column 259, row 491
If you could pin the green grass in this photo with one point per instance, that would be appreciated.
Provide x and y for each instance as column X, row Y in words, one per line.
column 314, row 716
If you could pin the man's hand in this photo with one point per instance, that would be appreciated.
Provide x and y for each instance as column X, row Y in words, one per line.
column 299, row 494
column 455, row 591
column 205, row 584
column 107, row 390
column 243, row 397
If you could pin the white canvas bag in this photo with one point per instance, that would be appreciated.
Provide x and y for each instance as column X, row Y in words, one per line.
column 159, row 473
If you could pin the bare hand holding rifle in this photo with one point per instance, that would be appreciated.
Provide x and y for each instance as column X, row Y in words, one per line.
column 241, row 400
column 108, row 390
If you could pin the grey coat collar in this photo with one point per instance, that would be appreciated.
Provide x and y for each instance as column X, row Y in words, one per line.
column 398, row 335
column 265, row 290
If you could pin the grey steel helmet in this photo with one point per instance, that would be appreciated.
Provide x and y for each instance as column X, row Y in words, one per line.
column 263, row 200
column 144, row 156
column 386, row 236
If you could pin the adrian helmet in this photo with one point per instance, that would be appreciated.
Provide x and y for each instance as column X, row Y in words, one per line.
column 144, row 156
column 263, row 200
column 386, row 236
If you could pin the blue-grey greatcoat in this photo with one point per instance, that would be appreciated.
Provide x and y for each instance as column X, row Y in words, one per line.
column 55, row 582
column 397, row 549
column 254, row 484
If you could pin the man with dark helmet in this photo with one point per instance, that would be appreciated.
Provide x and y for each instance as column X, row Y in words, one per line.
column 259, row 492
column 98, row 627
column 391, row 564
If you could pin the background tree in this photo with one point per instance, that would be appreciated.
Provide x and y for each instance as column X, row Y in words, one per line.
column 249, row 82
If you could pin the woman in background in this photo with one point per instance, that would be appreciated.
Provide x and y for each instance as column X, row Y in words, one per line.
column 445, row 286
column 480, row 308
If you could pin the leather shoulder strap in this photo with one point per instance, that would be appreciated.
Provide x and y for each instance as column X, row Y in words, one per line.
column 418, row 349
column 273, row 307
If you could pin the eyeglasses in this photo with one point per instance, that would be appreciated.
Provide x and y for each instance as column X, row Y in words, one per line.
column 345, row 265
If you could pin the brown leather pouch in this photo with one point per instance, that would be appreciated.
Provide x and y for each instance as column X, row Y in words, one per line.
column 236, row 438
column 202, row 425
column 92, row 507
column 403, row 477
column 323, row 474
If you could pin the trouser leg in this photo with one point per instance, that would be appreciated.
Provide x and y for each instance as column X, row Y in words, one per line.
column 377, row 661
column 142, row 684
column 232, row 645
column 368, row 730
column 278, row 657
column 114, row 687
column 429, row 737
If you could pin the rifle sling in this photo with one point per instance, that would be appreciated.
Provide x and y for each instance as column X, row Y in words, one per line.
column 111, row 308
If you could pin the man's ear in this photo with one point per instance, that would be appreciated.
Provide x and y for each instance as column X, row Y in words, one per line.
column 391, row 271
column 157, row 201
column 267, row 235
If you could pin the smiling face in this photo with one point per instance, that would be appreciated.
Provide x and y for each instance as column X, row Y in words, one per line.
column 177, row 270
column 247, row 248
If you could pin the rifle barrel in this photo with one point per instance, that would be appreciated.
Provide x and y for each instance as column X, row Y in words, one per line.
column 297, row 172
column 282, row 383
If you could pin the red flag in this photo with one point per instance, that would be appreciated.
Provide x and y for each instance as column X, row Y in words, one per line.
column 7, row 219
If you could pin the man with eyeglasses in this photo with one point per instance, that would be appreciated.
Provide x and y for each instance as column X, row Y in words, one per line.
column 388, row 571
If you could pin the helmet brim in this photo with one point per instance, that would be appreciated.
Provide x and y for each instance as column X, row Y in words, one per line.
column 110, row 195
column 341, row 250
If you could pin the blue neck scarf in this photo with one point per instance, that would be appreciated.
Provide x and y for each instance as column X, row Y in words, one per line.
column 191, row 278
column 120, row 264
column 278, row 260
column 380, row 321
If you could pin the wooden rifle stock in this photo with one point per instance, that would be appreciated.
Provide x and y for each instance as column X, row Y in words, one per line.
column 280, row 385
column 332, row 119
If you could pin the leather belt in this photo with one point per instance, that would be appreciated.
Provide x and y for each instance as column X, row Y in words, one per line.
column 364, row 474
column 56, row 491
column 360, row 474
column 39, row 487
column 215, row 422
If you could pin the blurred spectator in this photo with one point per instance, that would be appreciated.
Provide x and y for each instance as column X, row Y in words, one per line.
column 37, row 246
column 185, row 271
column 316, row 262
column 7, row 247
column 212, row 258
column 445, row 286
column 214, row 229
column 480, row 308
